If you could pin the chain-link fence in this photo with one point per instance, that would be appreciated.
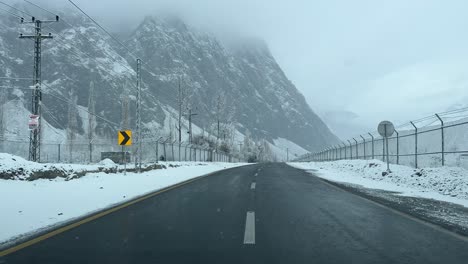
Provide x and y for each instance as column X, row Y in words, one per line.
column 85, row 152
column 439, row 140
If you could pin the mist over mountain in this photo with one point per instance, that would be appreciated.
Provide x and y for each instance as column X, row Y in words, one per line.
column 256, row 96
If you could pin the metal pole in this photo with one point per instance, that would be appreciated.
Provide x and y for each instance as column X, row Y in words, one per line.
column 350, row 149
column 345, row 155
column 58, row 152
column 172, row 147
column 383, row 146
column 125, row 160
column 157, row 151
column 397, row 147
column 388, row 161
column 179, row 149
column 364, row 140
column 372, row 144
column 386, row 146
column 357, row 153
column 35, row 134
column 138, row 122
column 90, row 152
column 443, row 141
column 415, row 145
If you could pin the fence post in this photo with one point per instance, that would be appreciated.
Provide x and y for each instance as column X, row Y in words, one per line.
column 164, row 149
column 383, row 148
column 157, row 150
column 90, row 152
column 372, row 145
column 350, row 149
column 172, row 147
column 415, row 145
column 336, row 152
column 344, row 148
column 357, row 153
column 59, row 152
column 180, row 143
column 397, row 147
column 364, row 142
column 443, row 141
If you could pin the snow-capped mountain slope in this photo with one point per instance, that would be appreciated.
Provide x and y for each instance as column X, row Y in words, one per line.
column 255, row 94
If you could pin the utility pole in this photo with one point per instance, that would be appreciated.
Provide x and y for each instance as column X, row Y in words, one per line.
column 179, row 128
column 3, row 97
column 124, row 124
column 91, row 119
column 138, row 123
column 35, row 134
column 218, row 109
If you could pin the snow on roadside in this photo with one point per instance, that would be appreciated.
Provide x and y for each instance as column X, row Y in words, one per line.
column 448, row 184
column 22, row 169
column 28, row 206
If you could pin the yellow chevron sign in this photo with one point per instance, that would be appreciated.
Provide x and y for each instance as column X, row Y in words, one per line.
column 125, row 138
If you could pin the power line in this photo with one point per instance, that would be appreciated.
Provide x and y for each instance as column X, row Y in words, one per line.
column 11, row 13
column 110, row 35
column 104, row 51
column 105, row 68
column 101, row 27
column 41, row 8
column 58, row 97
column 12, row 7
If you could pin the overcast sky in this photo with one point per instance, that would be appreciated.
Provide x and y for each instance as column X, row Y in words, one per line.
column 396, row 60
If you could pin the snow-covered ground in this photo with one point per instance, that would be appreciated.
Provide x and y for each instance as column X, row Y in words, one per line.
column 29, row 206
column 448, row 184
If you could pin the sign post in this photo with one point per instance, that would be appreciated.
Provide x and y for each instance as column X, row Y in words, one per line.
column 124, row 138
column 386, row 130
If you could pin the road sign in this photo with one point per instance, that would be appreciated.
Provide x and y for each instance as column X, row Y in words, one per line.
column 125, row 138
column 386, row 129
column 33, row 122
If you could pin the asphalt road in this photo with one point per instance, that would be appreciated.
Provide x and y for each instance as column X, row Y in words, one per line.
column 287, row 216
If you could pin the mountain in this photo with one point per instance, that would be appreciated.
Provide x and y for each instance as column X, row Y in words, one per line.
column 240, row 84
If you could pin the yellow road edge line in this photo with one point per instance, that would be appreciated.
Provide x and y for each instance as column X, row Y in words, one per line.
column 95, row 216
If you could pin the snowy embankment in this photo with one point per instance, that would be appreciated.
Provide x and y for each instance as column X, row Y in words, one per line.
column 448, row 184
column 30, row 206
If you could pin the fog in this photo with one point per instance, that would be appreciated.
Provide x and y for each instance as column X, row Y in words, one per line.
column 371, row 60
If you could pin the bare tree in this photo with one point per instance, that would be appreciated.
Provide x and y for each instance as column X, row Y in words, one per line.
column 3, row 97
column 72, row 123
column 183, row 97
column 91, row 110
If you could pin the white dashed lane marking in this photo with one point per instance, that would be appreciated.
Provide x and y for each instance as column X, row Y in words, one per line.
column 249, row 235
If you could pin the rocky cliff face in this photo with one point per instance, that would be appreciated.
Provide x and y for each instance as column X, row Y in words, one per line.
column 241, row 84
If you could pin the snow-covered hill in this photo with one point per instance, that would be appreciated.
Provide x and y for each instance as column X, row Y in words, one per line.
column 256, row 97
